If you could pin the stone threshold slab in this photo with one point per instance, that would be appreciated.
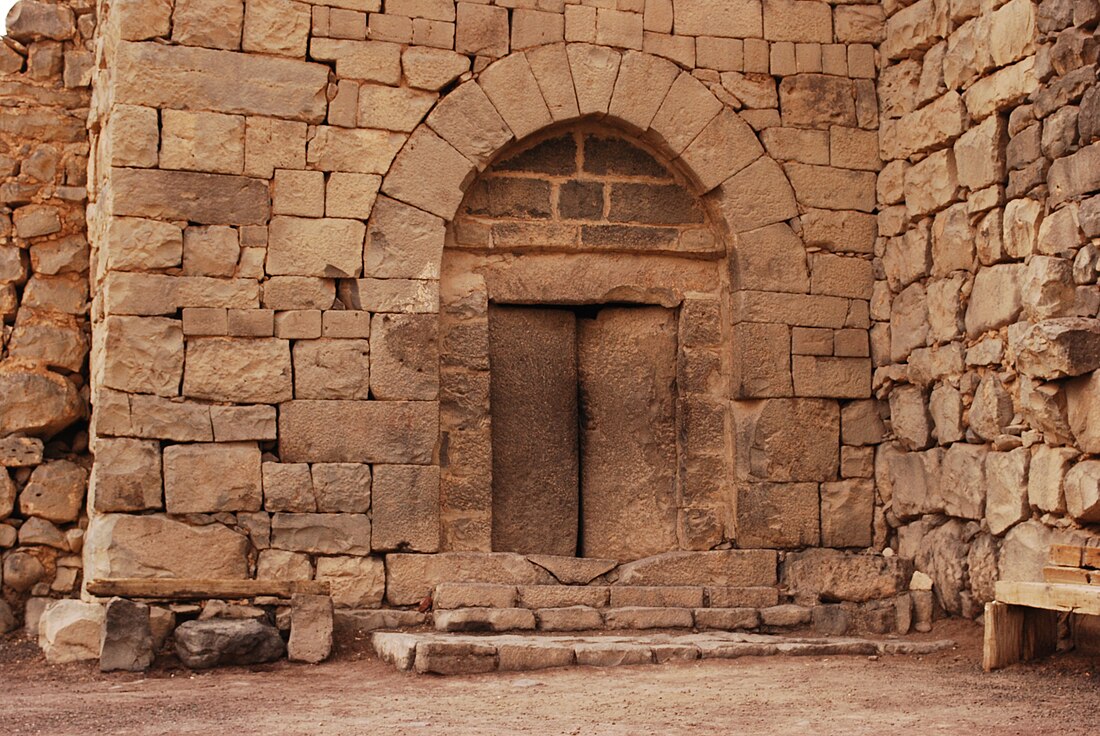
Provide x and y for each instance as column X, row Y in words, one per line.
column 451, row 654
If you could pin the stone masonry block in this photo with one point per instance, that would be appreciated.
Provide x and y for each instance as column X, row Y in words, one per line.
column 326, row 247
column 238, row 370
column 777, row 515
column 208, row 478
column 202, row 141
column 512, row 88
column 376, row 431
column 403, row 242
column 405, row 508
column 126, row 475
column 331, row 369
column 142, row 355
column 430, row 174
column 467, row 120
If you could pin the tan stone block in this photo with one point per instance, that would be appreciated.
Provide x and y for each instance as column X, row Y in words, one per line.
column 432, row 69
column 288, row 487
column 756, row 56
column 594, row 70
column 127, row 545
column 796, row 144
column 512, row 88
column 328, row 534
column 1002, row 89
column 737, row 19
column 331, row 369
column 817, row 101
column 393, row 108
column 378, row 431
column 841, row 231
column 202, row 291
column 797, row 20
column 163, row 76
column 980, row 154
column 142, row 355
column 370, row 61
column 724, row 147
column 403, row 242
column 794, row 309
column 435, row 33
column 315, row 247
column 210, row 23
column 761, row 361
column 298, row 193
column 771, row 258
column 138, row 20
column 859, row 24
column 640, row 88
column 237, row 423
column 931, row 184
column 405, row 508
column 468, row 121
column 135, row 244
column 270, row 144
column 618, row 28
column 758, row 195
column 408, row 296
column 550, row 65
column 153, row 417
column 481, row 30
column 685, row 112
column 680, row 49
column 298, row 324
column 208, row 199
column 1074, row 175
column 847, row 509
column 841, row 276
column 356, row 582
column 915, row 28
column 205, row 321
column 832, row 188
column 778, row 515
column 852, row 148
column 430, row 174
column 807, row 58
column 534, row 28
column 811, row 341
column 995, row 300
column 126, row 475
column 389, row 27
column 1012, row 32
column 833, row 377
column 238, row 370
column 342, row 487
column 210, row 251
column 208, row 478
column 346, row 323
column 276, row 27
column 277, row 564
column 722, row 54
column 139, row 294
column 251, row 322
column 1021, row 222
column 788, row 439
column 404, row 357
column 932, row 126
column 133, row 134
column 361, row 151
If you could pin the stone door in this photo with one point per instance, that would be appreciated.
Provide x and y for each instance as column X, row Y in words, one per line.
column 583, row 430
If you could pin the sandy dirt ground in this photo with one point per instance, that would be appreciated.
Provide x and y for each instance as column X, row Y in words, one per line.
column 946, row 693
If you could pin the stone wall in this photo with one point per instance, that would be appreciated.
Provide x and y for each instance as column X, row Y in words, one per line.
column 45, row 69
column 985, row 338
column 271, row 189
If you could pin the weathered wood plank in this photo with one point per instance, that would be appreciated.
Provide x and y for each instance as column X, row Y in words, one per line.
column 192, row 589
column 1004, row 635
column 1068, row 575
column 1067, row 555
column 1091, row 557
column 1051, row 596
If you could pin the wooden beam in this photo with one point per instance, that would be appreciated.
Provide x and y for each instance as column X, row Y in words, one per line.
column 1067, row 555
column 1091, row 557
column 1002, row 643
column 1070, row 575
column 1051, row 596
column 184, row 589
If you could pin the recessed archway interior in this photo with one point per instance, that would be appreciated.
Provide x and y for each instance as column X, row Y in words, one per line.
column 582, row 379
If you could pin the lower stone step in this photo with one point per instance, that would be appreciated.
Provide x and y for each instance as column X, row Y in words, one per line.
column 454, row 654
column 492, row 595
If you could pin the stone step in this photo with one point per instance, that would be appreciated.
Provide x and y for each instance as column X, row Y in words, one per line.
column 456, row 654
column 624, row 618
column 448, row 596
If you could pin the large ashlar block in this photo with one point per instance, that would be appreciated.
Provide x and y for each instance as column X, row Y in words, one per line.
column 432, row 69
column 802, row 310
column 133, row 244
column 1074, row 175
column 214, row 24
column 817, row 101
column 467, row 120
column 771, row 258
column 126, row 475
column 934, row 125
column 756, row 196
column 331, row 369
column 996, row 298
column 1002, row 89
column 687, row 109
column 842, row 231
column 640, row 88
column 834, row 377
column 355, row 582
column 404, row 356
column 727, row 18
column 909, row 481
column 1006, row 475
column 202, row 141
column 392, row 108
column 594, row 69
column 133, row 134
column 980, row 154
column 847, row 512
column 329, row 534
column 129, row 546
column 405, row 508
column 328, row 247
column 342, row 487
column 238, row 370
column 174, row 77
column 206, row 199
column 788, row 440
column 403, row 432
column 932, row 184
column 1056, row 348
column 723, row 148
column 270, row 144
column 550, row 65
column 761, row 365
column 1083, row 403
column 796, row 20
column 778, row 515
column 915, row 28
column 206, row 478
column 276, row 27
column 963, row 485
column 360, row 151
column 410, row 577
column 403, row 242
column 481, row 30
column 512, row 88
column 429, row 174
column 142, row 355
column 839, row 576
column 154, row 417
column 370, row 61
column 404, row 296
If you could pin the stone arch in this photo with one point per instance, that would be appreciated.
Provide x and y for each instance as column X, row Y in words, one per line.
column 646, row 95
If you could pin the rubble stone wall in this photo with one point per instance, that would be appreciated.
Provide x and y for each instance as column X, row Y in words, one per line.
column 45, row 70
column 985, row 337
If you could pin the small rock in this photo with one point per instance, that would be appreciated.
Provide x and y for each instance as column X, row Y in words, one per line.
column 55, row 492
column 920, row 581
column 310, row 628
column 205, row 644
column 127, row 642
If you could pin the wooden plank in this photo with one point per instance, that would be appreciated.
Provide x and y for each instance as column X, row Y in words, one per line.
column 193, row 589
column 1051, row 596
column 1070, row 575
column 1040, row 634
column 1091, row 557
column 1002, row 643
column 1068, row 555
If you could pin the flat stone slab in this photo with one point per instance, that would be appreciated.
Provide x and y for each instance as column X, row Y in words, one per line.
column 460, row 654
